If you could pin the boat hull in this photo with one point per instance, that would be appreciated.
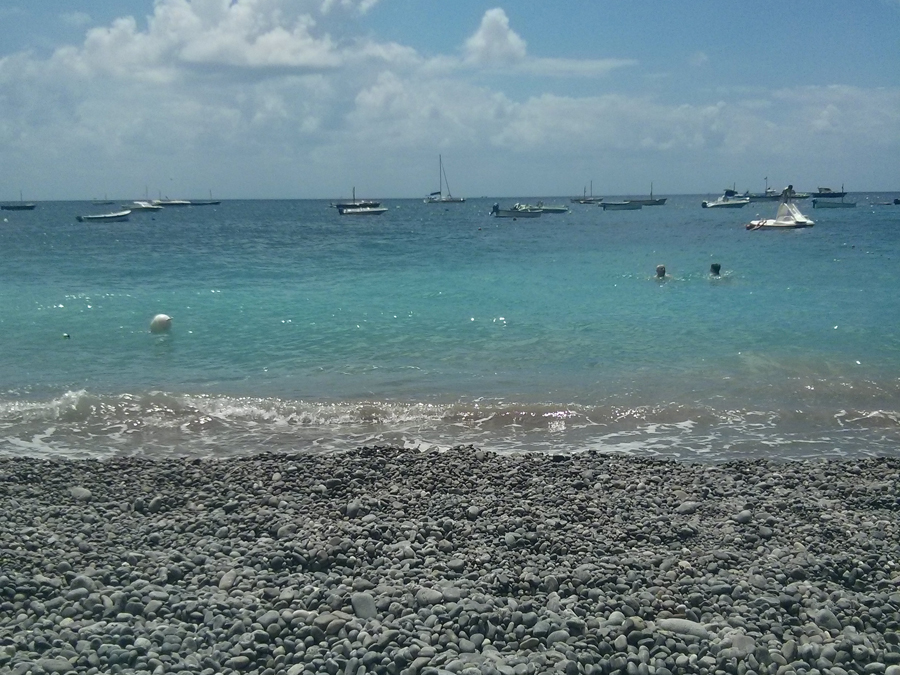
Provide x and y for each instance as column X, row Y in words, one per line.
column 832, row 205
column 17, row 207
column 117, row 217
column 361, row 210
column 621, row 206
column 726, row 204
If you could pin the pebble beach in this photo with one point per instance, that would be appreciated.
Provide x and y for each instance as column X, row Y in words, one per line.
column 389, row 560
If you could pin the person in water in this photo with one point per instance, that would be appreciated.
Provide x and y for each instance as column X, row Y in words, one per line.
column 715, row 269
column 660, row 271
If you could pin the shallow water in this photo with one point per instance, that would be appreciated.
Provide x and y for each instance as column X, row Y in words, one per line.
column 298, row 329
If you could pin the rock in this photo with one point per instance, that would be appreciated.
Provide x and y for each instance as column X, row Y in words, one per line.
column 428, row 596
column 687, row 508
column 826, row 619
column 683, row 627
column 227, row 580
column 743, row 517
column 56, row 665
column 80, row 494
column 364, row 605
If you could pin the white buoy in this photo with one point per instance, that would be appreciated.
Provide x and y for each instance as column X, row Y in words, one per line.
column 161, row 323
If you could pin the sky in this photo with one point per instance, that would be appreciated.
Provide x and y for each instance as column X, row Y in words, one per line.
column 307, row 99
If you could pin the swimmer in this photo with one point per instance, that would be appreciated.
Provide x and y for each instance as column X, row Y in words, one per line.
column 715, row 269
column 660, row 271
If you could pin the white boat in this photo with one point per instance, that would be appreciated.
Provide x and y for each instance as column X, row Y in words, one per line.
column 18, row 206
column 516, row 211
column 170, row 202
column 361, row 210
column 729, row 200
column 788, row 217
column 439, row 197
column 141, row 205
column 355, row 203
column 115, row 217
column 829, row 204
column 550, row 208
column 651, row 201
column 828, row 193
column 621, row 206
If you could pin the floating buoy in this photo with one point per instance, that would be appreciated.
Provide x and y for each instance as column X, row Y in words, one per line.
column 66, row 336
column 161, row 323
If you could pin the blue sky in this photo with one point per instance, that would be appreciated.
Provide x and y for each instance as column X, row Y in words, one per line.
column 307, row 98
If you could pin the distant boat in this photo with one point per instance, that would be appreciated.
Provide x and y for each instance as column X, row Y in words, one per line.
column 171, row 202
column 788, row 217
column 439, row 197
column 587, row 199
column 770, row 195
column 729, row 200
column 622, row 206
column 141, row 205
column 659, row 201
column 356, row 203
column 102, row 202
column 828, row 193
column 361, row 210
column 828, row 204
column 516, row 211
column 549, row 208
column 18, row 206
column 116, row 217
column 206, row 202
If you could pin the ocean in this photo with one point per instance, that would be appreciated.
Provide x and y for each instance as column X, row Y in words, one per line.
column 296, row 329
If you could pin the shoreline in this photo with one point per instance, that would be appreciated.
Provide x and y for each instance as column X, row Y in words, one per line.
column 399, row 561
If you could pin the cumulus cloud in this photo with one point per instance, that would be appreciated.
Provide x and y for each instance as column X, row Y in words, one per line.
column 497, row 46
column 281, row 91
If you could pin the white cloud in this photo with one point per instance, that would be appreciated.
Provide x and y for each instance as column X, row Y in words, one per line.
column 76, row 19
column 494, row 43
column 698, row 59
column 271, row 94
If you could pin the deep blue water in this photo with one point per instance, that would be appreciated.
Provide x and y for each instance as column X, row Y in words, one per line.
column 295, row 328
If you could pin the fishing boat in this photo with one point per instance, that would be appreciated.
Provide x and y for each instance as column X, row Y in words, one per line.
column 551, row 208
column 828, row 193
column 622, row 206
column 729, row 200
column 651, row 201
column 355, row 203
column 115, row 217
column 587, row 199
column 439, row 197
column 788, row 217
column 516, row 211
column 18, row 206
column 770, row 194
column 831, row 204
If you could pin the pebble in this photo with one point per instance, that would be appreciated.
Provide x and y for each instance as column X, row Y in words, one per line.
column 385, row 559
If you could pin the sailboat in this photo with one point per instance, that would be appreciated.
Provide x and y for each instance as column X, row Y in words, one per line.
column 587, row 199
column 439, row 197
column 659, row 201
column 18, row 206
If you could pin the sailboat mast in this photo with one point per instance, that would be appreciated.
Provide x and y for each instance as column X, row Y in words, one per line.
column 440, row 175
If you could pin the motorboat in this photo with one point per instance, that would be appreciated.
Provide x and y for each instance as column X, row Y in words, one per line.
column 788, row 217
column 828, row 193
column 171, row 202
column 729, row 200
column 355, row 203
column 622, row 206
column 516, row 211
column 115, row 217
column 361, row 210
column 439, row 197
column 141, row 205
column 649, row 201
column 548, row 208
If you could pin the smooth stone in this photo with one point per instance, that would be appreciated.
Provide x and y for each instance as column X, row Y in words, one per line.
column 364, row 605
column 428, row 596
column 826, row 619
column 683, row 627
column 687, row 508
column 56, row 665
column 80, row 494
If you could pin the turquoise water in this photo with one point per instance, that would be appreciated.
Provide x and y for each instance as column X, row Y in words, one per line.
column 434, row 325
